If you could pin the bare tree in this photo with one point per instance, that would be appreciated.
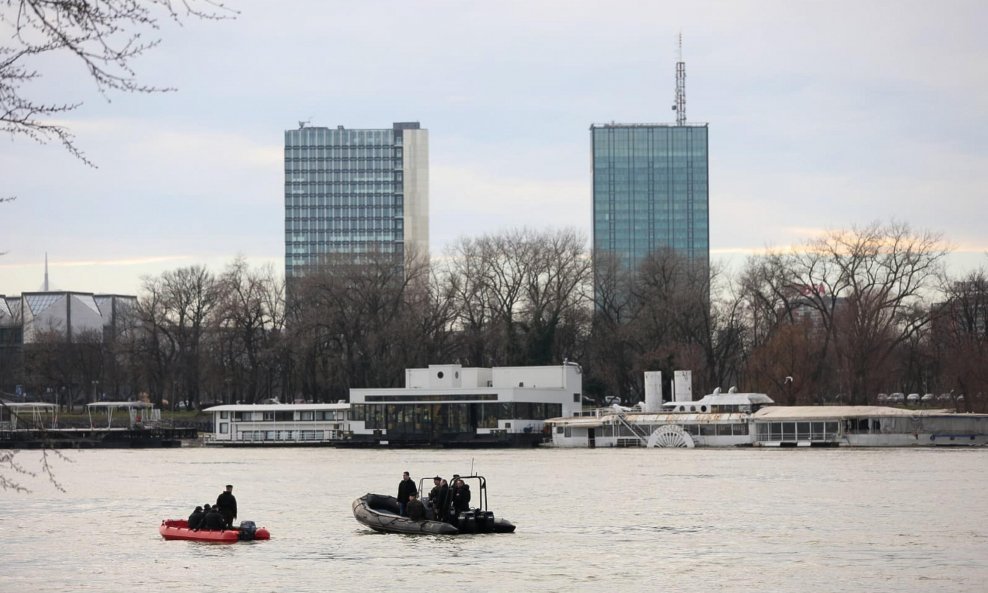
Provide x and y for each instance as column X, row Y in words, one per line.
column 516, row 295
column 470, row 303
column 354, row 324
column 960, row 339
column 556, row 286
column 864, row 291
column 105, row 37
column 786, row 345
column 155, row 346
column 610, row 358
column 251, row 317
column 178, row 314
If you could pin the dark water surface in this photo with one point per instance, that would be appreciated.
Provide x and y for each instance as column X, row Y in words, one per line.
column 588, row 520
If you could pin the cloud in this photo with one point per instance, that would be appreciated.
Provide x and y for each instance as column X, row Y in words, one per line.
column 472, row 201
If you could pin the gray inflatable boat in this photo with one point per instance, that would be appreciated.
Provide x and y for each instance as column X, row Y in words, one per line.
column 380, row 513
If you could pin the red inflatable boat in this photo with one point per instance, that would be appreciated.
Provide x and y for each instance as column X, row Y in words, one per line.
column 179, row 529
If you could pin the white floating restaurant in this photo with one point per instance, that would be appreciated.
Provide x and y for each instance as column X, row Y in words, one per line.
column 278, row 424
column 442, row 405
column 751, row 419
column 451, row 405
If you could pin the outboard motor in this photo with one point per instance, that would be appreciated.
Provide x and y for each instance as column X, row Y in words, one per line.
column 467, row 522
column 485, row 521
column 247, row 531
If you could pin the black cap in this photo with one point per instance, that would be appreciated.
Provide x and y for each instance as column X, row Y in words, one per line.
column 198, row 509
column 456, row 476
column 437, row 478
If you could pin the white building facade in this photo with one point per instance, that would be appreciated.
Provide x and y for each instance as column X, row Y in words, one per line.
column 449, row 405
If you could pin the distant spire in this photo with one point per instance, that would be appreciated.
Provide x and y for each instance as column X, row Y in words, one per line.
column 46, row 271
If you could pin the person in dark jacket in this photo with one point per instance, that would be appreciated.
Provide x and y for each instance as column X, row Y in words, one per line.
column 439, row 498
column 213, row 521
column 416, row 510
column 461, row 496
column 205, row 511
column 406, row 487
column 445, row 499
column 227, row 505
column 435, row 489
column 195, row 519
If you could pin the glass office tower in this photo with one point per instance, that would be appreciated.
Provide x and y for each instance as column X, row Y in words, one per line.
column 650, row 190
column 355, row 192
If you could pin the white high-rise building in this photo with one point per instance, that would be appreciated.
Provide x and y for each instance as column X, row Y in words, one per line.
column 355, row 192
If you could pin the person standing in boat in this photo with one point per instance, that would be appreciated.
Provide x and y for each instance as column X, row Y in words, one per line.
column 461, row 496
column 406, row 487
column 416, row 510
column 445, row 500
column 226, row 503
column 439, row 498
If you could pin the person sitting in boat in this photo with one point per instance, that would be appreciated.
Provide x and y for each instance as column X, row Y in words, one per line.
column 213, row 521
column 406, row 487
column 227, row 505
column 461, row 496
column 195, row 519
column 415, row 508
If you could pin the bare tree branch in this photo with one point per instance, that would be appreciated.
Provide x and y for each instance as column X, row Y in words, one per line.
column 104, row 36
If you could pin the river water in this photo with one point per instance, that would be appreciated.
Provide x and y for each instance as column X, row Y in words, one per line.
column 709, row 520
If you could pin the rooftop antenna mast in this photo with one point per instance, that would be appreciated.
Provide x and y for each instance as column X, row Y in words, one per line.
column 680, row 106
column 46, row 271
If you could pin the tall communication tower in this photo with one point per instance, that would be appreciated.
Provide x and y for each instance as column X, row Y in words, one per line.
column 680, row 106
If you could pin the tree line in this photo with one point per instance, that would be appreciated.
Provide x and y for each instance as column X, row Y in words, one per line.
column 838, row 319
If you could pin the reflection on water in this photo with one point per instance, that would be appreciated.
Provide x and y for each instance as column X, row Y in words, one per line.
column 588, row 520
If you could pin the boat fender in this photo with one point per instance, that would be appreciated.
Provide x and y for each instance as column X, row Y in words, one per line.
column 247, row 531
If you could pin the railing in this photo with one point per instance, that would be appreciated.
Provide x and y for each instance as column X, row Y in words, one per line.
column 638, row 432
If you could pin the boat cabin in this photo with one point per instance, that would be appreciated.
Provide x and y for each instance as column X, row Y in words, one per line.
column 721, row 403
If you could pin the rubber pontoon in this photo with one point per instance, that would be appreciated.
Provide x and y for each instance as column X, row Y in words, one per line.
column 179, row 529
column 380, row 513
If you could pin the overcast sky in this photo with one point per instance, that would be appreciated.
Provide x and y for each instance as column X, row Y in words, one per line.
column 822, row 115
